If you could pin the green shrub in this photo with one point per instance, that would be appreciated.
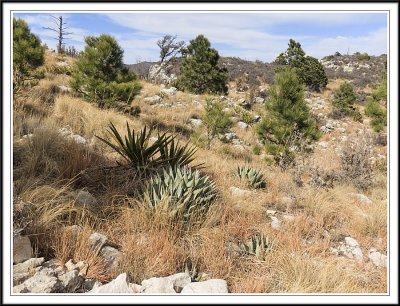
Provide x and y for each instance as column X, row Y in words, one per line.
column 28, row 54
column 100, row 75
column 257, row 149
column 378, row 114
column 288, row 122
column 181, row 192
column 215, row 120
column 258, row 245
column 343, row 102
column 199, row 72
column 243, row 114
column 362, row 56
column 253, row 177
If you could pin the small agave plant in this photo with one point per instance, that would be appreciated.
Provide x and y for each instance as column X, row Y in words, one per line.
column 258, row 245
column 180, row 190
column 254, row 177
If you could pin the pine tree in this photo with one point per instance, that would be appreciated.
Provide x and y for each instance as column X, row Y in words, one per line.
column 343, row 102
column 28, row 54
column 309, row 70
column 199, row 72
column 288, row 121
column 100, row 74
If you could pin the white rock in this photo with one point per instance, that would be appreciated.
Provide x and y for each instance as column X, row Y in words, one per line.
column 158, row 285
column 118, row 285
column 22, row 249
column 111, row 256
column 19, row 278
column 230, row 136
column 341, row 130
column 361, row 198
column 256, row 118
column 242, row 125
column 323, row 144
column 78, row 138
column 64, row 89
column 259, row 100
column 28, row 136
column 357, row 253
column 195, row 122
column 378, row 259
column 28, row 265
column 180, row 280
column 84, row 197
column 211, row 286
column 276, row 223
column 153, row 100
column 271, row 212
column 239, row 192
column 170, row 91
column 351, row 242
column 136, row 288
column 97, row 240
column 70, row 281
column 39, row 283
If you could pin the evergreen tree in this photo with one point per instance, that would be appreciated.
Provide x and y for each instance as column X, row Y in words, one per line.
column 288, row 121
column 309, row 70
column 343, row 102
column 199, row 72
column 100, row 74
column 28, row 54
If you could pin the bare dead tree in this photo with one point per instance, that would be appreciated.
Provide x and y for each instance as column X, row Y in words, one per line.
column 60, row 29
column 169, row 48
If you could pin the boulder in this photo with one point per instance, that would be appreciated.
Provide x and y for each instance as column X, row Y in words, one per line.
column 378, row 259
column 323, row 145
column 351, row 242
column 28, row 265
column 97, row 241
column 242, row 125
column 84, row 197
column 180, row 280
column 275, row 223
column 118, row 285
column 22, row 249
column 39, row 283
column 153, row 100
column 211, row 286
column 170, row 91
column 259, row 100
column 70, row 281
column 111, row 256
column 158, row 285
column 195, row 122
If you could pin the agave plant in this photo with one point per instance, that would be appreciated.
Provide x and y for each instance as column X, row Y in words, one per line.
column 139, row 153
column 258, row 245
column 253, row 176
column 181, row 191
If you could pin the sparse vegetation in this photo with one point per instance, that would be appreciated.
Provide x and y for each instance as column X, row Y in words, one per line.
column 343, row 102
column 254, row 177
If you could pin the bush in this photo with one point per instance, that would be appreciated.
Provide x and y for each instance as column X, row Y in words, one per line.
column 362, row 56
column 378, row 114
column 288, row 122
column 199, row 72
column 344, row 99
column 100, row 75
column 257, row 149
column 243, row 114
column 28, row 54
column 215, row 120
column 181, row 192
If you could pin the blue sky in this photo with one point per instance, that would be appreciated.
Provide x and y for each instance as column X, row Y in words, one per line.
column 250, row 36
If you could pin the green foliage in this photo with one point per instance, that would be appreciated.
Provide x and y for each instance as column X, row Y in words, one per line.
column 344, row 99
column 288, row 122
column 258, row 245
column 199, row 72
column 309, row 70
column 215, row 120
column 181, row 192
column 362, row 56
column 100, row 75
column 28, row 54
column 257, row 149
column 375, row 110
column 254, row 177
column 140, row 154
column 243, row 114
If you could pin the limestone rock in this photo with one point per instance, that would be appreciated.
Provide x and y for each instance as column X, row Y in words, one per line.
column 84, row 197
column 22, row 249
column 180, row 280
column 242, row 125
column 239, row 192
column 195, row 122
column 158, row 285
column 111, row 256
column 212, row 286
column 118, row 285
column 28, row 265
column 378, row 259
column 170, row 91
column 70, row 281
column 39, row 283
column 153, row 100
column 97, row 241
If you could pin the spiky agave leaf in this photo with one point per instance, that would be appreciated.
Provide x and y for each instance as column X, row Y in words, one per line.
column 254, row 177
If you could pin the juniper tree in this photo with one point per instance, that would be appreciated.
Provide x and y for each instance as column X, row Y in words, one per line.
column 199, row 72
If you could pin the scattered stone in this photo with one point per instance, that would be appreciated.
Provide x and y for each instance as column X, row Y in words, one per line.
column 70, row 281
column 170, row 91
column 84, row 197
column 363, row 199
column 357, row 253
column 341, row 130
column 28, row 265
column 27, row 136
column 158, row 285
column 242, row 125
column 276, row 223
column 78, row 139
column 230, row 136
column 195, row 122
column 39, row 283
column 111, row 256
column 211, row 286
column 259, row 100
column 153, row 100
column 323, row 145
column 378, row 259
column 97, row 241
column 351, row 242
column 62, row 64
column 135, row 288
column 239, row 192
column 256, row 118
column 271, row 212
column 22, row 249
column 64, row 89
column 118, row 285
column 179, row 281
